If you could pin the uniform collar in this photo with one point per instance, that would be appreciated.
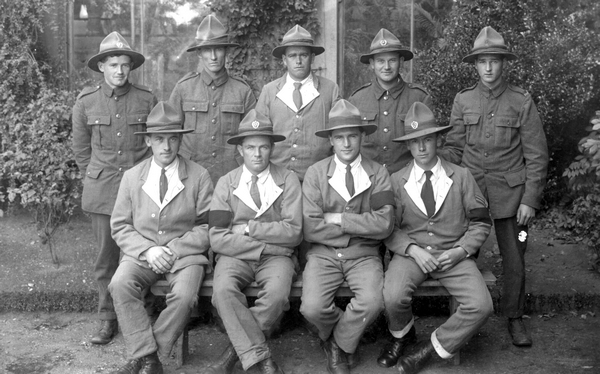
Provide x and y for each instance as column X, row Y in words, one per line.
column 117, row 91
column 394, row 91
column 219, row 80
column 497, row 91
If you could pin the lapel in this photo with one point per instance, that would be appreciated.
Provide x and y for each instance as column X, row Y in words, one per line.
column 444, row 184
column 308, row 95
column 273, row 189
column 339, row 184
column 151, row 189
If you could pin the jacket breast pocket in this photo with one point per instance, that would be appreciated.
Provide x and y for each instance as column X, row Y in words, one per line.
column 102, row 136
column 471, row 122
column 507, row 130
column 136, row 123
column 369, row 118
column 231, row 116
column 196, row 116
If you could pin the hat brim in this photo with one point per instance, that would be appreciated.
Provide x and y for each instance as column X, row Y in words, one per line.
column 368, row 129
column 238, row 139
column 280, row 50
column 137, row 59
column 209, row 45
column 187, row 131
column 408, row 55
column 471, row 57
column 418, row 134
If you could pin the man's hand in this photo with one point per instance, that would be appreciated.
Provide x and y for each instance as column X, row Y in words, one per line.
column 239, row 229
column 335, row 218
column 160, row 259
column 451, row 257
column 525, row 214
column 276, row 250
column 423, row 258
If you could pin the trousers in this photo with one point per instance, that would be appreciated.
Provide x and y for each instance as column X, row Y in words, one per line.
column 106, row 264
column 127, row 289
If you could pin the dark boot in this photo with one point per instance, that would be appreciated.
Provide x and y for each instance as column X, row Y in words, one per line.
column 417, row 358
column 336, row 358
column 151, row 365
column 108, row 329
column 395, row 348
column 518, row 332
column 225, row 363
column 353, row 359
column 131, row 367
column 268, row 366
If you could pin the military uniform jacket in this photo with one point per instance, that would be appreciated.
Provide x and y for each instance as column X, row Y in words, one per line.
column 367, row 218
column 302, row 147
column 461, row 218
column 104, row 123
column 498, row 135
column 279, row 224
column 138, row 223
column 213, row 108
column 387, row 110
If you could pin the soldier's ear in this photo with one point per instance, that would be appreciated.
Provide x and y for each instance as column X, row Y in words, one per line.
column 148, row 140
column 101, row 66
column 240, row 149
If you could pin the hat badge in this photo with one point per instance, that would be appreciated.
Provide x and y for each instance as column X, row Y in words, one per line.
column 383, row 42
column 255, row 124
column 414, row 125
column 119, row 45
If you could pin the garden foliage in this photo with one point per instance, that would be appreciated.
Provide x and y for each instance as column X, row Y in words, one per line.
column 36, row 167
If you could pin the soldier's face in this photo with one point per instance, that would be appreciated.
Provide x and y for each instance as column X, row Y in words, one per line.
column 298, row 61
column 116, row 70
column 424, row 150
column 256, row 151
column 346, row 143
column 213, row 58
column 386, row 66
column 164, row 147
column 489, row 68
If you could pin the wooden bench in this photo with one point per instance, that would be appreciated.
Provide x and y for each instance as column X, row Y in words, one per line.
column 430, row 287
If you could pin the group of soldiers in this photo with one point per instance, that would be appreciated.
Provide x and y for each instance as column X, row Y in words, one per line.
column 305, row 183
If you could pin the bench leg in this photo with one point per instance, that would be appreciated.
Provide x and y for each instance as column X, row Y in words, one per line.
column 453, row 308
column 181, row 348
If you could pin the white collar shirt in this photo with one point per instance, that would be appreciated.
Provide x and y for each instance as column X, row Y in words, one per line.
column 307, row 91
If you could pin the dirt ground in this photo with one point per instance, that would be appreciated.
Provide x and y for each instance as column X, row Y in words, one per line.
column 562, row 310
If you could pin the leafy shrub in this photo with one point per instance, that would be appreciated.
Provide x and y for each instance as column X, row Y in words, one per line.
column 558, row 45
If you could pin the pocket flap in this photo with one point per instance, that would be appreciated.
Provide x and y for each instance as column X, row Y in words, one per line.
column 195, row 106
column 516, row 178
column 471, row 119
column 133, row 119
column 232, row 108
column 93, row 171
column 506, row 121
column 98, row 120
column 368, row 116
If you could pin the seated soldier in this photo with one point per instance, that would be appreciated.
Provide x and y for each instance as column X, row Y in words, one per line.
column 255, row 225
column 348, row 210
column 441, row 221
column 160, row 222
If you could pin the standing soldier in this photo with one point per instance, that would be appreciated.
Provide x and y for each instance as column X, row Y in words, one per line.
column 498, row 135
column 385, row 101
column 212, row 102
column 105, row 118
column 298, row 103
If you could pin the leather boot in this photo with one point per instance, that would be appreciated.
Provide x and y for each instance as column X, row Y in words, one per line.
column 268, row 366
column 225, row 363
column 131, row 367
column 108, row 329
column 518, row 332
column 151, row 365
column 395, row 348
column 417, row 358
column 336, row 357
column 353, row 359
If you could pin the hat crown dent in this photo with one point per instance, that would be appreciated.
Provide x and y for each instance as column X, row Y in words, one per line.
column 297, row 34
column 385, row 38
column 163, row 114
column 255, row 121
column 344, row 109
column 489, row 38
column 210, row 29
column 420, row 114
column 116, row 41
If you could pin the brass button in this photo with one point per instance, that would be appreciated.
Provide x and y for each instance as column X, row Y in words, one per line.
column 295, row 145
column 214, row 104
column 213, row 120
column 293, row 158
column 118, row 115
column 120, row 152
column 385, row 147
column 385, row 113
column 119, row 133
column 386, row 129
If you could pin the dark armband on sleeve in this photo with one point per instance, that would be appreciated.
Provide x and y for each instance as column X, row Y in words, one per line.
column 219, row 218
column 379, row 199
column 202, row 219
column 480, row 215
